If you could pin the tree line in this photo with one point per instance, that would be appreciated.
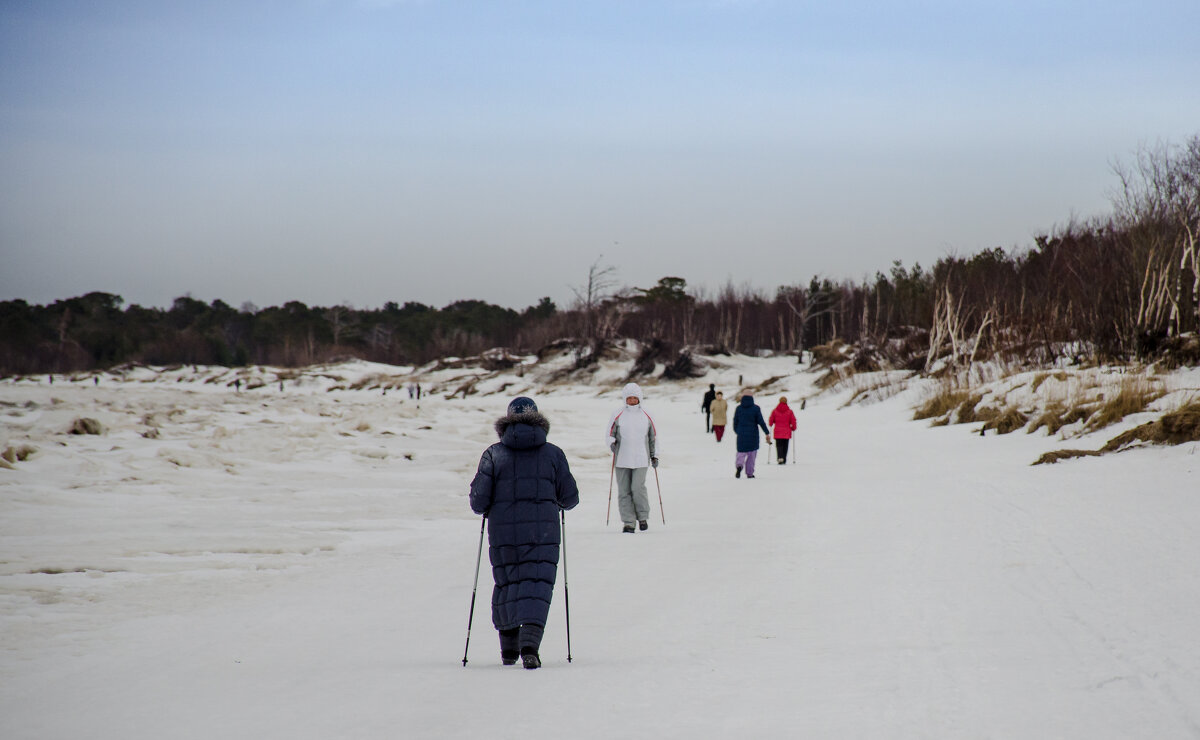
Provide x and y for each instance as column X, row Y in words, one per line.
column 1115, row 287
column 93, row 331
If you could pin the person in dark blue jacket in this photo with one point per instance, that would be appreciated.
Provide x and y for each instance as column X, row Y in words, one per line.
column 747, row 420
column 522, row 484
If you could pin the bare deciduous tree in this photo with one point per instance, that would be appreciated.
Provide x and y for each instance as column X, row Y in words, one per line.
column 807, row 306
column 592, row 295
column 340, row 320
column 1159, row 208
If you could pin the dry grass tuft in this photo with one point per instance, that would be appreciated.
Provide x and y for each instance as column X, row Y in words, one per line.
column 967, row 413
column 1053, row 457
column 369, row 381
column 1077, row 414
column 1040, row 378
column 1174, row 428
column 1145, row 433
column 947, row 399
column 833, row 353
column 1134, row 395
column 1051, row 419
column 1182, row 425
column 1007, row 420
column 765, row 386
column 15, row 454
column 86, row 425
column 1177, row 427
column 18, row 453
column 1056, row 416
column 832, row 377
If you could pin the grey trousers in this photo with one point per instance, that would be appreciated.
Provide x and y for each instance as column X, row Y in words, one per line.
column 633, row 502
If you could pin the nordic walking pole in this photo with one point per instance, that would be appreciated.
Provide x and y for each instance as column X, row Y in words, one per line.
column 802, row 402
column 611, row 471
column 566, row 591
column 471, row 617
column 660, row 508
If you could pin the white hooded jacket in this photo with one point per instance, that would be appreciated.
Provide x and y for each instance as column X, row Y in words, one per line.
column 632, row 430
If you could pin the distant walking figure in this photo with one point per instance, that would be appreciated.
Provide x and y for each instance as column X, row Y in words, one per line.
column 783, row 422
column 522, row 484
column 747, row 420
column 706, row 406
column 719, row 407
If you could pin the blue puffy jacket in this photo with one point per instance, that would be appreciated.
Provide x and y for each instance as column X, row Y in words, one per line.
column 747, row 420
column 522, row 484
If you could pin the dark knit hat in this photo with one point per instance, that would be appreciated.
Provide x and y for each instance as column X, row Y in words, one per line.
column 520, row 405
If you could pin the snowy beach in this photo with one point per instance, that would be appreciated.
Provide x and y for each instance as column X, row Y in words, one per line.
column 297, row 562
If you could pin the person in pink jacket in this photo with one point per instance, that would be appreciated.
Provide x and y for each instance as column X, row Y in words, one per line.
column 783, row 423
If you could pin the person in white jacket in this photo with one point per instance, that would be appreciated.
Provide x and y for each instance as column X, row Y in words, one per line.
column 633, row 441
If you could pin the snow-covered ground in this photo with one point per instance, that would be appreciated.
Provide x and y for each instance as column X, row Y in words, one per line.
column 297, row 563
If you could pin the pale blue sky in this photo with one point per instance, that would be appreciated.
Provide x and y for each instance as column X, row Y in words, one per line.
column 362, row 151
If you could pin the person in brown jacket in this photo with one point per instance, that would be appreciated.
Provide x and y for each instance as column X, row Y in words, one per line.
column 718, row 407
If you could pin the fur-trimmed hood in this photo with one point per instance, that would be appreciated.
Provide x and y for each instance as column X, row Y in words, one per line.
column 524, row 430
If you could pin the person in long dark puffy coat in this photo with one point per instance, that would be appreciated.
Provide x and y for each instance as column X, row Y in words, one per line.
column 522, row 484
column 747, row 420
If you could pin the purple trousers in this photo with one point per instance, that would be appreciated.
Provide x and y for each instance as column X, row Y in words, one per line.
column 746, row 460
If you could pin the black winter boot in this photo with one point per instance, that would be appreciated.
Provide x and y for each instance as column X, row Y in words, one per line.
column 738, row 473
column 628, row 529
column 643, row 525
column 531, row 639
column 528, row 651
column 509, row 646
